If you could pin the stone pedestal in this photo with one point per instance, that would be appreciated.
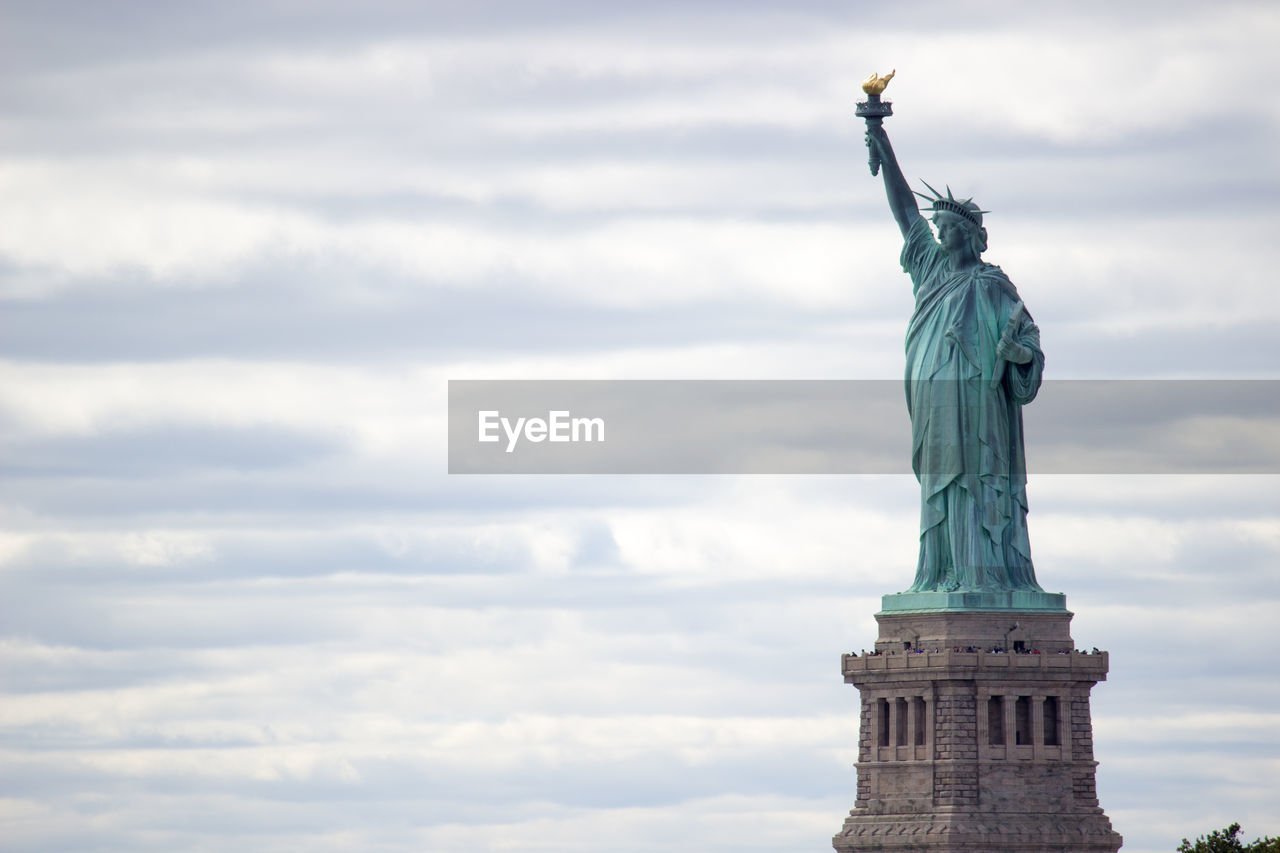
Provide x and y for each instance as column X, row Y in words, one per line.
column 967, row 749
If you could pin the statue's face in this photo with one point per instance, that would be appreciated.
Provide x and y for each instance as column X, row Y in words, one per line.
column 953, row 232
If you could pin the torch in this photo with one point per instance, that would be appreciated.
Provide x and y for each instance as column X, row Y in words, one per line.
column 874, row 111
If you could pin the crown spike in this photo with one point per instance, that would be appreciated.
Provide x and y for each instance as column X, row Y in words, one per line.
column 965, row 208
column 936, row 194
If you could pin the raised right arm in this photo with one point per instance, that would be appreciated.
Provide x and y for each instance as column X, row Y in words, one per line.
column 902, row 202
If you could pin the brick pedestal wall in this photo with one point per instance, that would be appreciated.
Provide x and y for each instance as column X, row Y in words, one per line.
column 966, row 749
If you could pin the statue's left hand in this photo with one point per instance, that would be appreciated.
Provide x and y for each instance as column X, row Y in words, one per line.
column 1007, row 349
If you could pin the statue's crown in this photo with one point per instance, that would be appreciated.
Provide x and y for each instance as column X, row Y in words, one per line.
column 964, row 208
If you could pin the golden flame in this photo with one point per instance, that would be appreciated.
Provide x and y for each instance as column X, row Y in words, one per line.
column 875, row 84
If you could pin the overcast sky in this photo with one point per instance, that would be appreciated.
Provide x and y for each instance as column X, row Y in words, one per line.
column 245, row 245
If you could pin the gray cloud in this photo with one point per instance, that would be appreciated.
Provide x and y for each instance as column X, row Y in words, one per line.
column 165, row 450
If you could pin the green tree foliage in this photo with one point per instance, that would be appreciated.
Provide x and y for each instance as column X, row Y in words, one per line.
column 1228, row 841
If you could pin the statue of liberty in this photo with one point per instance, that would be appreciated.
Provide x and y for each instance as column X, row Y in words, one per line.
column 973, row 361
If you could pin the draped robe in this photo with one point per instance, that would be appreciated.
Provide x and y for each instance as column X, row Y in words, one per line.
column 967, row 442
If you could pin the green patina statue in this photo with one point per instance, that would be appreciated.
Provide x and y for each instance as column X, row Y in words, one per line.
column 973, row 361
